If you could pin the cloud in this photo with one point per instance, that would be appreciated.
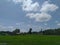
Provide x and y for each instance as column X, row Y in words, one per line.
column 45, row 24
column 43, row 15
column 19, row 23
column 25, row 27
column 46, row 7
column 6, row 28
column 17, row 1
column 47, row 28
column 58, row 24
column 40, row 17
column 56, row 21
column 28, row 5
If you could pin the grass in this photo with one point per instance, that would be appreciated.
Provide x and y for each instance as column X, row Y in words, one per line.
column 30, row 40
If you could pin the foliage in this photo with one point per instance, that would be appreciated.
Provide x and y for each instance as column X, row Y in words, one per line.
column 30, row 31
column 45, row 32
column 16, row 31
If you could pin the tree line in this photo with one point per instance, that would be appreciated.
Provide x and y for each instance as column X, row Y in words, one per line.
column 41, row 32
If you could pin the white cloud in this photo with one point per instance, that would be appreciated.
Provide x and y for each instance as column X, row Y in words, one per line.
column 19, row 23
column 25, row 27
column 46, row 6
column 45, row 24
column 43, row 15
column 6, row 28
column 11, row 27
column 58, row 24
column 56, row 21
column 28, row 6
column 47, row 28
column 17, row 1
column 40, row 17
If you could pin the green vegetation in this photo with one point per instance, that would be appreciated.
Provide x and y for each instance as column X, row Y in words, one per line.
column 30, row 39
column 46, row 37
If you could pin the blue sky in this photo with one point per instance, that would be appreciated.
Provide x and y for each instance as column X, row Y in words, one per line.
column 24, row 14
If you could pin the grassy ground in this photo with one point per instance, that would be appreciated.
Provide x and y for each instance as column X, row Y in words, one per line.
column 30, row 40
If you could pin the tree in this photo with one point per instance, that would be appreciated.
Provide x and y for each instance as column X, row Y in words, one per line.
column 49, row 32
column 41, row 32
column 16, row 31
column 30, row 31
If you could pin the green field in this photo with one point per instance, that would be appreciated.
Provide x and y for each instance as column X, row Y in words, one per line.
column 30, row 40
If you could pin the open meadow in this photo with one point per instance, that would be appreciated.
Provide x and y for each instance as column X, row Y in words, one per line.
column 30, row 40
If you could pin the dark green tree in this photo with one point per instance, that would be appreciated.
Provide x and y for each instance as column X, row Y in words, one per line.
column 41, row 32
column 30, row 31
column 16, row 31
